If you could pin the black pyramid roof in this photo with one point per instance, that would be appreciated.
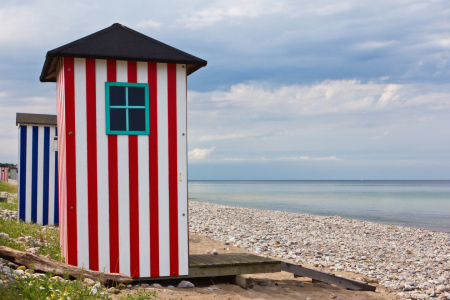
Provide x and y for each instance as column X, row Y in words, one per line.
column 119, row 43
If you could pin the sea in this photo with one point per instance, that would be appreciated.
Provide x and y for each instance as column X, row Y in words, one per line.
column 410, row 203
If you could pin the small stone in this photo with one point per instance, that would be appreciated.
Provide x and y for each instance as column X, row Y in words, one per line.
column 19, row 272
column 208, row 252
column 443, row 289
column 186, row 284
column 121, row 286
column 13, row 265
column 263, row 283
column 88, row 281
column 215, row 252
column 156, row 285
column 21, row 239
column 129, row 286
column 23, row 268
column 300, row 284
column 94, row 291
column 170, row 287
column 113, row 291
column 4, row 235
column 145, row 285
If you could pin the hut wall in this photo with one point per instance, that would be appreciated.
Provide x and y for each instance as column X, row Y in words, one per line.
column 4, row 173
column 38, row 183
column 123, row 198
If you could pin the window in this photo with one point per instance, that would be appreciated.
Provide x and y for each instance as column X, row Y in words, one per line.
column 126, row 108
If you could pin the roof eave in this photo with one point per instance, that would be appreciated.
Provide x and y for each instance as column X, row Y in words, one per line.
column 49, row 69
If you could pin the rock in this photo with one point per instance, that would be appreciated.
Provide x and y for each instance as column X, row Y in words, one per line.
column 19, row 272
column 94, row 291
column 300, row 284
column 215, row 252
column 186, row 284
column 23, row 268
column 113, row 291
column 156, row 285
column 208, row 252
column 21, row 239
column 4, row 235
column 145, row 285
column 263, row 283
column 121, row 286
column 170, row 286
column 88, row 281
column 129, row 286
column 442, row 289
column 13, row 265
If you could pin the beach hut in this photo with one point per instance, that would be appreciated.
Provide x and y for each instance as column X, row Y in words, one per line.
column 4, row 173
column 121, row 107
column 13, row 173
column 38, row 179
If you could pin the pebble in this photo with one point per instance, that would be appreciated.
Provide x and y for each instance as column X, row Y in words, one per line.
column 156, row 285
column 170, row 286
column 393, row 256
column 215, row 252
column 186, row 284
column 145, row 285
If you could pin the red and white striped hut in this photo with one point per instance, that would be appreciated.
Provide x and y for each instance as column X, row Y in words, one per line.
column 121, row 107
column 4, row 173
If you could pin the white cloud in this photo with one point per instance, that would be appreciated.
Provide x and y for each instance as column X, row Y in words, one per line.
column 230, row 10
column 200, row 154
column 222, row 137
column 307, row 158
column 148, row 23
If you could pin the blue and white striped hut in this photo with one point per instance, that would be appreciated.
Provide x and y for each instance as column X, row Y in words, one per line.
column 38, row 169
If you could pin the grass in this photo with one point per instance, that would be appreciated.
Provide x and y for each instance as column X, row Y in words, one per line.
column 47, row 235
column 46, row 287
column 8, row 187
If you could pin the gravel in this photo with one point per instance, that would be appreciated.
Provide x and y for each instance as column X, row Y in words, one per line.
column 414, row 261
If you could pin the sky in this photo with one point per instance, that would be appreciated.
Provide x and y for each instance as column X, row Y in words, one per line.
column 293, row 90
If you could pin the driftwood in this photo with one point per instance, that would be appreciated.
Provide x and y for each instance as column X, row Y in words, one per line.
column 44, row 264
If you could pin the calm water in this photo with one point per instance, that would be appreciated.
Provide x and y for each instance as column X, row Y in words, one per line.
column 422, row 204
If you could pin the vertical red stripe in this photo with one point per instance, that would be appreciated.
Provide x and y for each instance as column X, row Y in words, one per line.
column 133, row 188
column 91, row 134
column 173, row 169
column 153, row 170
column 113, row 177
column 70, row 133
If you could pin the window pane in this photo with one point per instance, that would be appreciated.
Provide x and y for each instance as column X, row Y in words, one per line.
column 136, row 96
column 136, row 118
column 117, row 96
column 118, row 119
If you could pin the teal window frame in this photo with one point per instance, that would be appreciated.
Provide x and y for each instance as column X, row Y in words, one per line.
column 108, row 107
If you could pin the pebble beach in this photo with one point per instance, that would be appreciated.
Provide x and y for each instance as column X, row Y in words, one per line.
column 413, row 262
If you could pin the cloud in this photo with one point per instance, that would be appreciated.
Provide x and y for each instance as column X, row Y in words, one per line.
column 307, row 158
column 222, row 137
column 200, row 154
column 148, row 23
column 230, row 10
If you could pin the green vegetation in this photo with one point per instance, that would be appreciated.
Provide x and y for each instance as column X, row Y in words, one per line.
column 140, row 295
column 8, row 206
column 46, row 287
column 44, row 237
column 8, row 187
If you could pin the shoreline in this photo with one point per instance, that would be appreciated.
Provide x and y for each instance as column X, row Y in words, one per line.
column 400, row 225
column 410, row 260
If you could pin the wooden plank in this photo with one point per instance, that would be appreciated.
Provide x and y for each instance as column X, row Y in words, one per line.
column 207, row 265
column 326, row 277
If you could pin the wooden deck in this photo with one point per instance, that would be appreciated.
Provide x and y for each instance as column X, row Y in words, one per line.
column 207, row 265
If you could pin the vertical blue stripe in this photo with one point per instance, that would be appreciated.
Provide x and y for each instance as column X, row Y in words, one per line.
column 34, row 174
column 23, row 171
column 56, row 217
column 46, row 179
